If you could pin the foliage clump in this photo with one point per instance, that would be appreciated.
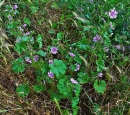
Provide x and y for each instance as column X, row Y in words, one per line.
column 71, row 45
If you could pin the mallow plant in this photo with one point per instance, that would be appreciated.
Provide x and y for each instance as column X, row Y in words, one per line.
column 62, row 61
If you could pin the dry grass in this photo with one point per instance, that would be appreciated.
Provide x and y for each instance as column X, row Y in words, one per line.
column 12, row 104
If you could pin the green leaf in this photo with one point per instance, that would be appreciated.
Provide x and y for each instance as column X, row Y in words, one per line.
column 20, row 47
column 59, row 35
column 77, row 90
column 41, row 53
column 39, row 40
column 84, row 78
column 18, row 65
column 100, row 86
column 34, row 9
column 100, row 65
column 39, row 78
column 51, row 31
column 58, row 67
column 27, row 21
column 75, row 101
column 23, row 90
column 66, row 112
column 62, row 17
column 75, row 108
column 56, row 95
column 38, row 88
column 25, row 38
column 86, row 28
column 64, row 87
column 54, row 25
column 82, row 44
column 3, row 110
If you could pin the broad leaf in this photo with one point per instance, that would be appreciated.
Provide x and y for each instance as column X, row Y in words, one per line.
column 23, row 90
column 56, row 95
column 75, row 108
column 25, row 38
column 100, row 64
column 20, row 47
column 33, row 9
column 38, row 87
column 41, row 53
column 27, row 21
column 18, row 65
column 59, row 35
column 84, row 78
column 100, row 86
column 39, row 40
column 58, row 67
column 39, row 78
column 64, row 87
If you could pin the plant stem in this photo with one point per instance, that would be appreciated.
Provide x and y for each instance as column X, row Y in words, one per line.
column 58, row 105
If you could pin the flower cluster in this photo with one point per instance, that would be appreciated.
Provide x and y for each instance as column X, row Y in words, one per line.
column 35, row 59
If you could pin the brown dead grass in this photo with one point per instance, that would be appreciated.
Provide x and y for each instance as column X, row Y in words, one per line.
column 34, row 104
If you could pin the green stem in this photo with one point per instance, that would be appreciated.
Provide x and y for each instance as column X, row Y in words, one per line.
column 30, row 1
column 58, row 105
column 88, row 97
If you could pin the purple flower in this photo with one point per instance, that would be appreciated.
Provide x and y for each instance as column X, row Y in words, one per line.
column 71, row 54
column 91, row 1
column 18, row 40
column 26, row 34
column 118, row 47
column 77, row 67
column 100, row 74
column 50, row 61
column 73, row 81
column 106, row 49
column 24, row 25
column 113, row 13
column 54, row 50
column 9, row 17
column 36, row 58
column 15, row 7
column 27, row 59
column 96, row 38
column 50, row 74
